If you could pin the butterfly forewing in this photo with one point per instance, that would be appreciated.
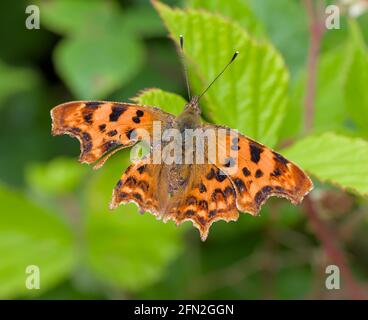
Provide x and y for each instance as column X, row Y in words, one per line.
column 103, row 126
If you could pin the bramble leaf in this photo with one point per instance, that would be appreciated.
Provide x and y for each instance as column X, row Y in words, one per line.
column 286, row 27
column 100, row 52
column 95, row 66
column 31, row 235
column 356, row 80
column 329, row 111
column 170, row 102
column 77, row 16
column 333, row 158
column 60, row 175
column 15, row 79
column 236, row 10
column 251, row 95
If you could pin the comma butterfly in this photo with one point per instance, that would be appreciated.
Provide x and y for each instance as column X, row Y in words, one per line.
column 241, row 175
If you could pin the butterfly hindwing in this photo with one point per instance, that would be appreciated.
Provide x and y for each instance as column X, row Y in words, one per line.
column 139, row 185
column 102, row 126
column 209, row 196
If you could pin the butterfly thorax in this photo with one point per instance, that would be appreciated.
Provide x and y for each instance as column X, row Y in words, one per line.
column 176, row 176
column 190, row 118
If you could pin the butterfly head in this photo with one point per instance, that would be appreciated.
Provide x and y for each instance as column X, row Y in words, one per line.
column 193, row 106
column 190, row 117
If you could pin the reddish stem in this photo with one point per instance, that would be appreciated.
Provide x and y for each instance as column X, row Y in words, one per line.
column 323, row 233
column 316, row 29
column 332, row 249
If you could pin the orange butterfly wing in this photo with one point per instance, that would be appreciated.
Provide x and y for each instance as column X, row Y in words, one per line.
column 208, row 197
column 139, row 185
column 257, row 172
column 103, row 126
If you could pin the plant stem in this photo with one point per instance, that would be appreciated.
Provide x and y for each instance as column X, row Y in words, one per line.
column 332, row 249
column 316, row 30
column 323, row 233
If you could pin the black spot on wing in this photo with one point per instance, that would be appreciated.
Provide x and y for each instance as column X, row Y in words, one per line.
column 141, row 169
column 110, row 145
column 88, row 117
column 202, row 188
column 112, row 133
column 280, row 190
column 136, row 119
column 191, row 200
column 202, row 221
column 119, row 184
column 123, row 195
column 246, row 172
column 189, row 213
column 212, row 213
column 116, row 112
column 255, row 152
column 262, row 194
column 86, row 136
column 203, row 205
column 229, row 162
column 87, row 147
column 75, row 130
column 258, row 173
column 279, row 158
column 240, row 185
column 277, row 172
column 93, row 104
column 102, row 127
column 211, row 174
column 130, row 182
column 217, row 195
column 137, row 196
column 220, row 175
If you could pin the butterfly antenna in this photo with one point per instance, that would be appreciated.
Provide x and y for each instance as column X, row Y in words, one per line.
column 184, row 65
column 219, row 75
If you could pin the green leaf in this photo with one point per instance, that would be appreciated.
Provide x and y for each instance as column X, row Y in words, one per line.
column 78, row 16
column 356, row 35
column 31, row 235
column 170, row 102
column 286, row 25
column 237, row 10
column 334, row 158
column 93, row 67
column 14, row 80
column 292, row 124
column 124, row 248
column 143, row 21
column 100, row 53
column 293, row 282
column 251, row 95
column 355, row 84
column 329, row 111
column 60, row 175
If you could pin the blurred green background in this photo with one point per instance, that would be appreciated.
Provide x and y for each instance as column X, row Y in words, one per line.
column 54, row 211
